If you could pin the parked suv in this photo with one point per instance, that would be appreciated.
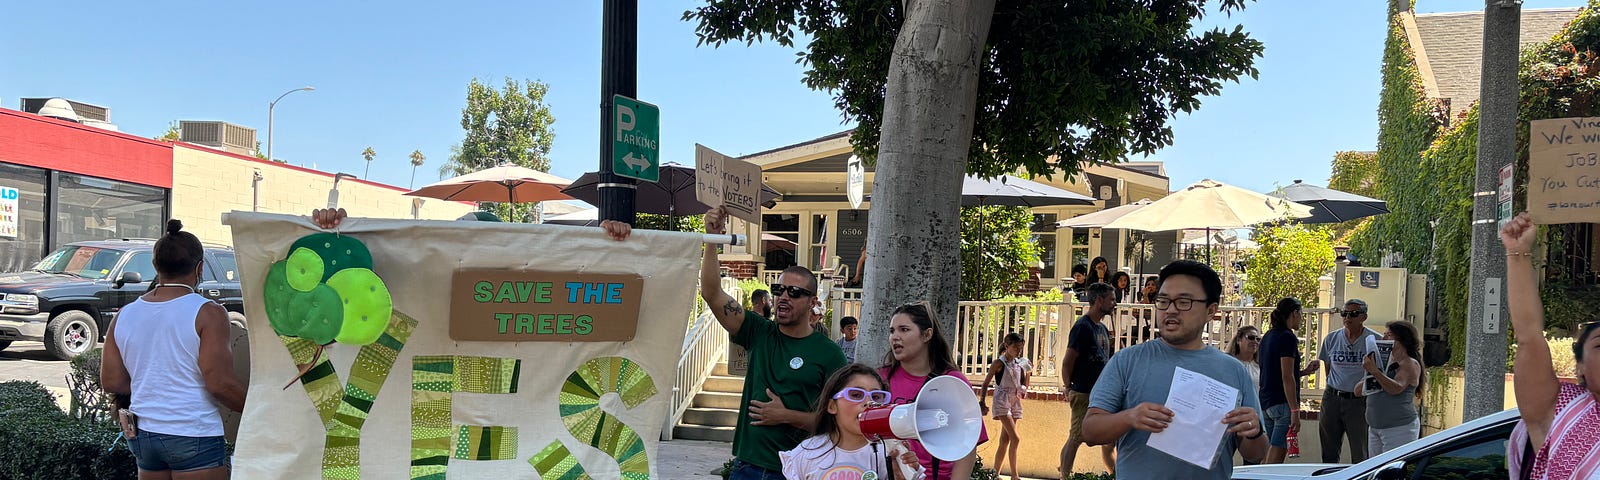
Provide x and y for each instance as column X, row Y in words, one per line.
column 68, row 299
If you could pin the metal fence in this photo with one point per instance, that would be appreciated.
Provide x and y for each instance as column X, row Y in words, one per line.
column 1044, row 327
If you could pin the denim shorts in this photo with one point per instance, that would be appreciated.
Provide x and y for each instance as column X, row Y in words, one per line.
column 1277, row 425
column 157, row 452
column 746, row 471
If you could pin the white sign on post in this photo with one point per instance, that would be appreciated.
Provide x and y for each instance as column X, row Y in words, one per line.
column 857, row 181
column 729, row 182
column 1491, row 305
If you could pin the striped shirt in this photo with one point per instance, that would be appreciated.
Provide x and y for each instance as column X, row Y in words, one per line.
column 1572, row 449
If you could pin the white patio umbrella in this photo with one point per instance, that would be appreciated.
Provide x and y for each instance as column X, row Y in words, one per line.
column 1207, row 205
column 1101, row 218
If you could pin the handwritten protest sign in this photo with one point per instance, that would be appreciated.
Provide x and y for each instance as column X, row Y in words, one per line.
column 727, row 181
column 1564, row 170
column 528, row 306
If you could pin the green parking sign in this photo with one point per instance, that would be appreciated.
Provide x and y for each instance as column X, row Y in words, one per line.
column 636, row 141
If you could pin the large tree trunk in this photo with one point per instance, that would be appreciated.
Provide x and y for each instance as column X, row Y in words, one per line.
column 913, row 236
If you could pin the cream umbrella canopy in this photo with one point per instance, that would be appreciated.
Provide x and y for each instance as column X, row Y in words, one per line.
column 1209, row 204
column 1101, row 218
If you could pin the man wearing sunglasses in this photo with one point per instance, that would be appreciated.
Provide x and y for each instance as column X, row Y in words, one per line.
column 789, row 362
column 1344, row 414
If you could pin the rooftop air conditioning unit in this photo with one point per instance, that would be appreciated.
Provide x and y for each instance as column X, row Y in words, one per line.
column 86, row 112
column 220, row 135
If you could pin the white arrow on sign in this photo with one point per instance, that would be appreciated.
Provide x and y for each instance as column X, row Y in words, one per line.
column 637, row 162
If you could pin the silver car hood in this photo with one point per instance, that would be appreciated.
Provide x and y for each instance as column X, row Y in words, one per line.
column 1282, row 471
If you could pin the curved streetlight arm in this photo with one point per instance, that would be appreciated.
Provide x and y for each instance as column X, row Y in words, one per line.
column 269, row 118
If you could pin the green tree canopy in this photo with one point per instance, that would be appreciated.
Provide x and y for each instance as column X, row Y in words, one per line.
column 997, row 249
column 1288, row 262
column 1075, row 81
column 505, row 125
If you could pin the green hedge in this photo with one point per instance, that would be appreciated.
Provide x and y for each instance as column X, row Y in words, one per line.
column 39, row 441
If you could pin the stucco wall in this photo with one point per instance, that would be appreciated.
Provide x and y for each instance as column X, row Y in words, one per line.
column 208, row 183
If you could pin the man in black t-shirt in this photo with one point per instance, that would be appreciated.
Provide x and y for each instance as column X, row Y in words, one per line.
column 1088, row 350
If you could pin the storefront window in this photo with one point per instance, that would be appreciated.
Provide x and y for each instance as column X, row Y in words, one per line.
column 1044, row 235
column 22, row 239
column 90, row 208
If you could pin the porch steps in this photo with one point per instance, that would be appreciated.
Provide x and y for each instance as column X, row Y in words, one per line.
column 713, row 412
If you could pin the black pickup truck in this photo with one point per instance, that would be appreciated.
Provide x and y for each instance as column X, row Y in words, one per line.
column 68, row 299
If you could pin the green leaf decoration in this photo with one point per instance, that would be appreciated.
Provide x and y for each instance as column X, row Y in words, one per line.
column 338, row 252
column 366, row 303
column 304, row 269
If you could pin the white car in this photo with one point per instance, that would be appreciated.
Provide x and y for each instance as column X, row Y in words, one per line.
column 1472, row 450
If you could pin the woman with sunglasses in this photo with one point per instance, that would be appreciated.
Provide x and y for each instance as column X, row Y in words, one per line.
column 839, row 450
column 1245, row 347
column 1555, row 438
column 918, row 351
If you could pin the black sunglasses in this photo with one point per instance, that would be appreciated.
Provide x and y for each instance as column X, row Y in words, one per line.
column 1352, row 314
column 790, row 290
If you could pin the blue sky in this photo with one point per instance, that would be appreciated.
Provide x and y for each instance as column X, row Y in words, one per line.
column 394, row 78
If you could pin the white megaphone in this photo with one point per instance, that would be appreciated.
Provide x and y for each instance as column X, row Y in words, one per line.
column 945, row 418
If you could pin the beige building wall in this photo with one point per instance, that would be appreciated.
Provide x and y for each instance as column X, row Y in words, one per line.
column 207, row 183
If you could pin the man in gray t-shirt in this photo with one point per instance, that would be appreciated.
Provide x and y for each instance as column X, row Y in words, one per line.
column 1344, row 414
column 1126, row 405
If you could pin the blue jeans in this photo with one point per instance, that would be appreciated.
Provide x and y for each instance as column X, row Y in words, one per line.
column 159, row 452
column 1276, row 424
column 745, row 471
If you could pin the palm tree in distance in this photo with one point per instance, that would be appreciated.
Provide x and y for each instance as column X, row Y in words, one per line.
column 367, row 154
column 416, row 161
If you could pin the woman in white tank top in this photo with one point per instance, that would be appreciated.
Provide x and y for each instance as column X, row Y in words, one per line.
column 168, row 350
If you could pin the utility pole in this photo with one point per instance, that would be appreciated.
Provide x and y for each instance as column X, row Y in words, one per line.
column 619, row 75
column 1497, row 145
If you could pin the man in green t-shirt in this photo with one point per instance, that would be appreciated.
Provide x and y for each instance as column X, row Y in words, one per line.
column 789, row 361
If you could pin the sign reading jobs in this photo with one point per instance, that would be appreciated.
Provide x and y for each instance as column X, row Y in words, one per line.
column 729, row 182
column 495, row 305
column 1564, row 170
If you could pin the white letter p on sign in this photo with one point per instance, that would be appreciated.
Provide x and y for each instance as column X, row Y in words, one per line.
column 625, row 120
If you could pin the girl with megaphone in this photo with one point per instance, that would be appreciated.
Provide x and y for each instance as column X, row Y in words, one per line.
column 839, row 450
column 919, row 352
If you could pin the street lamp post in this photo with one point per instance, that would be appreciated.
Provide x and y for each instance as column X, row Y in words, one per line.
column 269, row 117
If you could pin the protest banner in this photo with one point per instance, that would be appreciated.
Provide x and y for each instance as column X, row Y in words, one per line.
column 387, row 408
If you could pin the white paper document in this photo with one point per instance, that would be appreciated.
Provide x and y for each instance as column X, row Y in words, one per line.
column 1198, row 404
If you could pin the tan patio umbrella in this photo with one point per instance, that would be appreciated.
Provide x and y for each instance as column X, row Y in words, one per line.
column 1101, row 218
column 505, row 183
column 1208, row 205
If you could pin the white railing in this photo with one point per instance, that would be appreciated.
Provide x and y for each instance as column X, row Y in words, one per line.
column 705, row 345
column 770, row 277
column 1044, row 327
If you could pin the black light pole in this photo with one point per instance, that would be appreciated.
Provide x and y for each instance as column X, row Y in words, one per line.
column 619, row 66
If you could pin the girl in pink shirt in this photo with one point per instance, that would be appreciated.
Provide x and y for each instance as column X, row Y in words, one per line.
column 918, row 352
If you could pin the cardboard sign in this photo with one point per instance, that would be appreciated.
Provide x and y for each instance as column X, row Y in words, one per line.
column 1564, row 170
column 494, row 305
column 729, row 182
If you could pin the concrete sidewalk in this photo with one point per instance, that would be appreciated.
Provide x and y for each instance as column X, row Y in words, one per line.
column 692, row 459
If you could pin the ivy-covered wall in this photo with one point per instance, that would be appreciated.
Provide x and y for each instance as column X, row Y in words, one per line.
column 1425, row 167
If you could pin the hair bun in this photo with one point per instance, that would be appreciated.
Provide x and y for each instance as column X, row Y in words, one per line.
column 173, row 226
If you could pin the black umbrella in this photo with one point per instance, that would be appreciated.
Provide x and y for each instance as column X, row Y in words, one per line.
column 1012, row 192
column 1329, row 205
column 672, row 196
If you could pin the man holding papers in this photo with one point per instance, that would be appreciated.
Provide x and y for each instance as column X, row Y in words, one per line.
column 1175, row 407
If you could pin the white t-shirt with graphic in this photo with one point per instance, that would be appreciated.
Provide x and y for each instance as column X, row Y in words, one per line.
column 817, row 458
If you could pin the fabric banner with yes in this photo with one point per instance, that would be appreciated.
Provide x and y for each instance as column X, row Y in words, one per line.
column 393, row 395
